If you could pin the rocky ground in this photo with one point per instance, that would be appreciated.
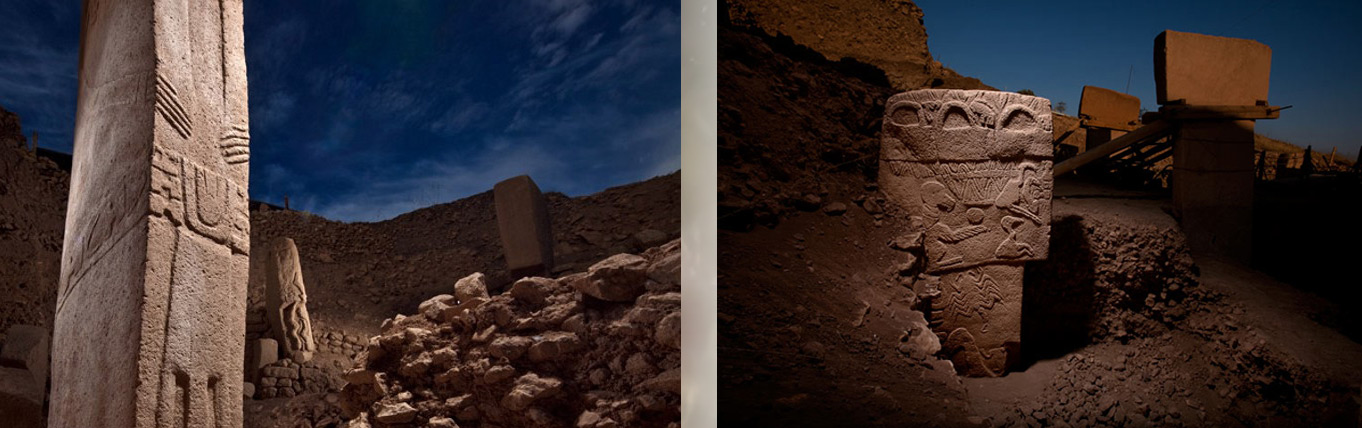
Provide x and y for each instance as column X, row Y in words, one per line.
column 594, row 349
column 1122, row 326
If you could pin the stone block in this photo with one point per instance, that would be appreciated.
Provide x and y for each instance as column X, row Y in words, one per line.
column 26, row 347
column 280, row 372
column 21, row 400
column 1218, row 146
column 262, row 353
column 1213, row 186
column 525, row 226
column 1210, row 70
column 1108, row 108
column 1216, row 211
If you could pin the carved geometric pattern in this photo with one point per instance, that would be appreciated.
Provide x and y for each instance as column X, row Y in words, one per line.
column 236, row 145
column 169, row 106
column 207, row 202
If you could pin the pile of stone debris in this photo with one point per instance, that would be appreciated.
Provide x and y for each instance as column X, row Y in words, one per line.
column 598, row 349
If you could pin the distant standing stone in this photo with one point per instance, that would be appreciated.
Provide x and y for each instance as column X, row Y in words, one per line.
column 286, row 301
column 525, row 226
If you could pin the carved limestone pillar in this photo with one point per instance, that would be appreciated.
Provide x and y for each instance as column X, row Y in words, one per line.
column 286, row 301
column 972, row 169
column 150, row 322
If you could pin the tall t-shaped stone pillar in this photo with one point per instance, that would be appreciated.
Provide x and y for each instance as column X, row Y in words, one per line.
column 150, row 322
column 525, row 226
column 1213, row 160
column 972, row 169
column 286, row 301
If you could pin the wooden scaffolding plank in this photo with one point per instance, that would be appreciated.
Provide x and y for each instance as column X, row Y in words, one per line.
column 1156, row 129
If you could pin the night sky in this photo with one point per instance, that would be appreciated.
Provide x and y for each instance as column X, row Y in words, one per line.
column 1056, row 49
column 364, row 110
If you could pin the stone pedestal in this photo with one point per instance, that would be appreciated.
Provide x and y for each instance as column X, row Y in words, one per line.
column 149, row 329
column 1213, row 186
column 972, row 169
column 525, row 226
column 1213, row 160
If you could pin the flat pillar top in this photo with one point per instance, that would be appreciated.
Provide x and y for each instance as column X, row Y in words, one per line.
column 1105, row 108
column 1200, row 69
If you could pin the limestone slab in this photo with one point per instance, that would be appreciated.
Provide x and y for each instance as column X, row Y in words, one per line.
column 1210, row 70
column 525, row 226
column 973, row 171
column 157, row 230
column 1108, row 108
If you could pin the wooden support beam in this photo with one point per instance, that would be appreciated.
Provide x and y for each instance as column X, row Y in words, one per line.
column 1196, row 112
column 1157, row 129
column 1095, row 123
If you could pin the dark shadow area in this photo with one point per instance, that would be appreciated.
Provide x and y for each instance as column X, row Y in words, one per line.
column 1306, row 233
column 1058, row 295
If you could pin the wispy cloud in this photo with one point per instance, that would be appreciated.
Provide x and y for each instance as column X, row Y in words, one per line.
column 627, row 149
column 445, row 180
column 460, row 116
column 365, row 111
column 38, row 68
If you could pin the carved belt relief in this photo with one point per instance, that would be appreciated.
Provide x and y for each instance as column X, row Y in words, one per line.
column 973, row 169
column 209, row 203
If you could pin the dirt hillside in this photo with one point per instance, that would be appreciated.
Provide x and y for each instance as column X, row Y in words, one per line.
column 32, row 212
column 896, row 43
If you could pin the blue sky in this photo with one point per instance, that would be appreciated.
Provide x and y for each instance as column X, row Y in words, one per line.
column 363, row 110
column 1056, row 49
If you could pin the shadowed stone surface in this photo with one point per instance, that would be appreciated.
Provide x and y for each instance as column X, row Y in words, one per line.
column 21, row 399
column 972, row 168
column 26, row 347
column 150, row 322
column 523, row 220
column 286, row 301
column 262, row 353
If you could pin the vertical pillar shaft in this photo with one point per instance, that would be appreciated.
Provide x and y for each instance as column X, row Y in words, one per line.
column 150, row 322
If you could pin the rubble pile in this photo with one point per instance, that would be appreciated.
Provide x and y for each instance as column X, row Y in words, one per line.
column 599, row 348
